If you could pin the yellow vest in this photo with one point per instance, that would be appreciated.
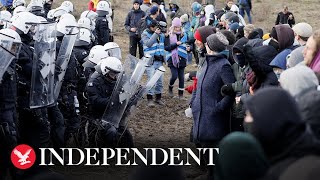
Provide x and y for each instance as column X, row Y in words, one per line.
column 95, row 3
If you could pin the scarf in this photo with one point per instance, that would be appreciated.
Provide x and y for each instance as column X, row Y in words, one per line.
column 174, row 52
column 315, row 64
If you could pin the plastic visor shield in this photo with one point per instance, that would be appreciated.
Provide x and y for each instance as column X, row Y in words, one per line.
column 140, row 91
column 5, row 60
column 43, row 66
column 63, row 58
column 121, row 94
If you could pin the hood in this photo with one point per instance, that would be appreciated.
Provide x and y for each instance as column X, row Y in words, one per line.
column 298, row 79
column 256, row 34
column 264, row 53
column 309, row 106
column 280, row 61
column 241, row 154
column 285, row 36
column 239, row 45
column 276, row 120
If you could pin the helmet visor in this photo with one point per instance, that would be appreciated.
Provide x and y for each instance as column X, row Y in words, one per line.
column 115, row 52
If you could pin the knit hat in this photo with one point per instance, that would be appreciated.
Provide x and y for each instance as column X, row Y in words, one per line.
column 196, row 7
column 176, row 22
column 172, row 2
column 154, row 10
column 234, row 19
column 203, row 32
column 217, row 42
column 303, row 29
column 184, row 18
column 146, row 2
column 274, row 34
column 295, row 57
column 234, row 26
column 137, row 1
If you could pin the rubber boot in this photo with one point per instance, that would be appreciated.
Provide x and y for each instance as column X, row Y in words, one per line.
column 170, row 92
column 180, row 93
column 150, row 101
column 158, row 100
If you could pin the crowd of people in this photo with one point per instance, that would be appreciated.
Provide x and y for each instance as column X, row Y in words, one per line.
column 255, row 94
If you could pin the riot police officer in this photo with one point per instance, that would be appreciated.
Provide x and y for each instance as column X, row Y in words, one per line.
column 8, row 95
column 68, row 98
column 103, row 24
column 34, row 127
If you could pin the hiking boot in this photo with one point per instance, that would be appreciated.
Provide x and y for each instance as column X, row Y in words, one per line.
column 158, row 100
column 170, row 91
column 150, row 101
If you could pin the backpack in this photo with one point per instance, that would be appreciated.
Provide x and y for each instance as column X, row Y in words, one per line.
column 142, row 25
column 243, row 3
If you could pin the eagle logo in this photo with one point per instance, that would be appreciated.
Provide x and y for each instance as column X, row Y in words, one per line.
column 23, row 156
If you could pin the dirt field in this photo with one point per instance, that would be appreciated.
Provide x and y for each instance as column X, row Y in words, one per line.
column 167, row 126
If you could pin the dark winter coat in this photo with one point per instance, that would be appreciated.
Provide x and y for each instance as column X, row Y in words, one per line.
column 99, row 91
column 211, row 111
column 284, row 19
column 278, row 126
column 133, row 19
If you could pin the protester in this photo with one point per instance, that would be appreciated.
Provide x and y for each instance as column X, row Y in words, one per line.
column 241, row 157
column 302, row 32
column 285, row 17
column 211, row 126
column 177, row 55
column 311, row 52
column 285, row 140
column 175, row 10
column 153, row 44
column 131, row 22
column 245, row 7
column 228, row 5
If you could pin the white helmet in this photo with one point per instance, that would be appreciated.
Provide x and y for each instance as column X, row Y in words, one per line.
column 10, row 40
column 84, row 23
column 113, row 50
column 58, row 13
column 32, row 3
column 84, row 37
column 89, row 14
column 66, row 24
column 67, row 6
column 96, row 54
column 18, row 10
column 24, row 21
column 17, row 3
column 103, row 6
column 42, row 19
column 50, row 14
column 5, row 16
column 110, row 64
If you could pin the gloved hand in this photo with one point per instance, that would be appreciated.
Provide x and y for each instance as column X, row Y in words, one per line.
column 193, row 86
column 189, row 89
column 227, row 90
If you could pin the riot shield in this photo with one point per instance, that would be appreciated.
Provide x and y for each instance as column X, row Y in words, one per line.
column 63, row 58
column 139, row 92
column 42, row 81
column 5, row 60
column 121, row 93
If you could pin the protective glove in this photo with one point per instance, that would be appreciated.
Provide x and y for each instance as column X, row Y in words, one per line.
column 227, row 90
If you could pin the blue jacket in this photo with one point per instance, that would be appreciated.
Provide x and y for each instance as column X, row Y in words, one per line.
column 211, row 110
column 132, row 20
column 6, row 2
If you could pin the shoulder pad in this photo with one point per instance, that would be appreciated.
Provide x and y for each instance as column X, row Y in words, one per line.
column 90, row 84
column 104, row 19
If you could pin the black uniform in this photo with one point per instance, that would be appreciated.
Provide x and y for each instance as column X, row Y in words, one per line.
column 33, row 123
column 68, row 94
column 80, row 53
column 102, row 30
column 8, row 118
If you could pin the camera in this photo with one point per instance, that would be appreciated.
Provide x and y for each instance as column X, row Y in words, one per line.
column 162, row 26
